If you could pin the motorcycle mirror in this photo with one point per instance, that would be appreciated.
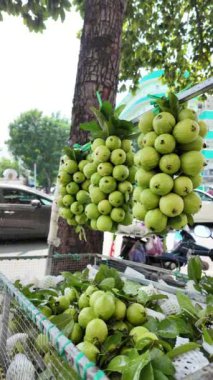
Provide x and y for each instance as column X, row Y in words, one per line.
column 202, row 231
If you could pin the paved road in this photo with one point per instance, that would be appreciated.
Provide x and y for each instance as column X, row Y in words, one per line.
column 24, row 248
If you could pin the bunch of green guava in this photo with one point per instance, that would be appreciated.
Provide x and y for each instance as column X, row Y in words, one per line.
column 73, row 189
column 169, row 164
column 111, row 172
column 122, row 326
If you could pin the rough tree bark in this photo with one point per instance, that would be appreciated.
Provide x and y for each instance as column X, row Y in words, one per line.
column 98, row 70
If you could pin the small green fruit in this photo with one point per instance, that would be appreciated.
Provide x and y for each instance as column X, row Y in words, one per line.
column 136, row 314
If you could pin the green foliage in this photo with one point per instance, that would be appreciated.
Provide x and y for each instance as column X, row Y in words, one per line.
column 39, row 139
column 7, row 163
column 157, row 34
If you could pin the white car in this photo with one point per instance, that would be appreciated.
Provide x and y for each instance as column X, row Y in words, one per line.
column 205, row 215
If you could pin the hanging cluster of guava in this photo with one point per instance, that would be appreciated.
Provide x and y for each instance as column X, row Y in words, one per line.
column 96, row 189
column 169, row 166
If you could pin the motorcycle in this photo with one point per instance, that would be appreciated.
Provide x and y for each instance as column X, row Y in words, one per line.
column 136, row 249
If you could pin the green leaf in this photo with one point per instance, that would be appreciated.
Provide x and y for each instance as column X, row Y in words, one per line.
column 164, row 364
column 69, row 152
column 194, row 268
column 119, row 109
column 102, row 121
column 133, row 370
column 118, row 364
column 158, row 375
column 207, row 337
column 90, row 126
column 168, row 328
column 182, row 349
column 106, row 109
column 147, row 372
column 67, row 330
column 190, row 220
column 186, row 304
column 174, row 104
column 152, row 324
column 61, row 320
column 131, row 287
column 72, row 280
column 105, row 272
column 107, row 284
column 112, row 342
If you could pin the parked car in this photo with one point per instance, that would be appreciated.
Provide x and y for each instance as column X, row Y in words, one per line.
column 205, row 215
column 24, row 212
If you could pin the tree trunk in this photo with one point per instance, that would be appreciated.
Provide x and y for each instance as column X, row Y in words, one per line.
column 98, row 70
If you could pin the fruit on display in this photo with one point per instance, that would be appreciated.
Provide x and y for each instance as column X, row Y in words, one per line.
column 169, row 162
column 120, row 324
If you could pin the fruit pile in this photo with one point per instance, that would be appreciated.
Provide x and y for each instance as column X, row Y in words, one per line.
column 169, row 165
column 96, row 190
column 120, row 325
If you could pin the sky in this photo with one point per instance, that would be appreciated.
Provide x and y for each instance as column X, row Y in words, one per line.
column 37, row 70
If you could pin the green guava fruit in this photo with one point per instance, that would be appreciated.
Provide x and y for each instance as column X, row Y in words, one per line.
column 165, row 143
column 120, row 326
column 96, row 331
column 192, row 203
column 136, row 314
column 105, row 168
column 146, row 122
column 187, row 113
column 128, row 219
column 85, row 185
column 89, row 169
column 81, row 164
column 72, row 188
column 81, row 219
column 107, row 184
column 90, row 290
column 120, row 310
column 143, row 177
column 137, row 333
column 62, row 303
column 182, row 186
column 71, row 294
column 97, row 142
column 171, row 205
column 155, row 220
column 161, row 184
column 83, row 197
column 72, row 312
column 104, row 207
column 148, row 158
column 163, row 123
column 67, row 200
column 104, row 306
column 70, row 166
column 149, row 199
column 196, row 180
column 89, row 350
column 62, row 190
column 120, row 172
column 94, row 296
column 93, row 224
column 192, row 163
column 170, row 163
column 125, row 187
column 95, row 178
column 86, row 315
column 42, row 343
column 203, row 128
column 178, row 222
column 45, row 310
column 197, row 144
column 117, row 214
column 76, row 208
column 72, row 221
column 104, row 223
column 59, row 201
column 64, row 177
column 113, row 142
column 116, row 198
column 137, row 193
column 79, row 177
column 63, row 159
column 132, row 171
column 83, row 301
column 149, row 139
column 76, row 334
column 129, row 159
column 139, row 211
column 65, row 213
column 118, row 156
column 91, row 211
column 96, row 194
column 140, row 140
column 101, row 154
column 186, row 131
column 126, row 145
